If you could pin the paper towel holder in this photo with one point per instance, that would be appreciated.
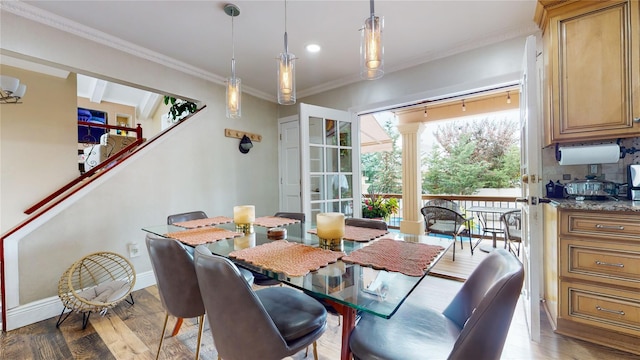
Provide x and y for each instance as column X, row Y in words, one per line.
column 623, row 151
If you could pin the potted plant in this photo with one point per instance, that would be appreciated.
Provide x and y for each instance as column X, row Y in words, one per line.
column 378, row 207
column 179, row 108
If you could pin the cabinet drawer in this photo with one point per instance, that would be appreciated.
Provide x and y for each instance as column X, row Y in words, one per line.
column 602, row 307
column 601, row 225
column 614, row 264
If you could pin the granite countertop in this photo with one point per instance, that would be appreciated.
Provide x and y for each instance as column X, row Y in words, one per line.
column 597, row 205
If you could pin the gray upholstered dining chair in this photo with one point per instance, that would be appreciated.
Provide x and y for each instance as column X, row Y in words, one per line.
column 191, row 215
column 269, row 323
column 473, row 326
column 195, row 215
column 366, row 223
column 177, row 283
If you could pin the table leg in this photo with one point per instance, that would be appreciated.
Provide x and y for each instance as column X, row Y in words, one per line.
column 348, row 323
column 176, row 328
column 494, row 245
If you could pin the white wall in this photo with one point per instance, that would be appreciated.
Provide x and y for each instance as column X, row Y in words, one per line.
column 494, row 64
column 197, row 167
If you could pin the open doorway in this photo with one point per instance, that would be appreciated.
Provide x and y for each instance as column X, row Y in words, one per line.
column 469, row 146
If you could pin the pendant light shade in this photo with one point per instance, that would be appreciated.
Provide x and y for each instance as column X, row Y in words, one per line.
column 286, row 70
column 371, row 47
column 234, row 88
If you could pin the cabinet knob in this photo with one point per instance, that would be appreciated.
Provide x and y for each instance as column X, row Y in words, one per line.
column 636, row 120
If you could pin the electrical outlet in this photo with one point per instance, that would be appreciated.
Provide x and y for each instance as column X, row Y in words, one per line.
column 593, row 169
column 566, row 176
column 134, row 250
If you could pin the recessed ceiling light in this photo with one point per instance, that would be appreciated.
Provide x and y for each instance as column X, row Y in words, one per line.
column 313, row 48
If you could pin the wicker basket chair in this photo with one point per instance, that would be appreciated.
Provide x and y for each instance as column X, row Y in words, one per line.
column 95, row 283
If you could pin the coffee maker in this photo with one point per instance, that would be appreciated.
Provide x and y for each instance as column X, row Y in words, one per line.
column 633, row 177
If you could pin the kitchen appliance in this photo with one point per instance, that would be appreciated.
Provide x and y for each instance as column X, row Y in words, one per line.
column 593, row 189
column 633, row 177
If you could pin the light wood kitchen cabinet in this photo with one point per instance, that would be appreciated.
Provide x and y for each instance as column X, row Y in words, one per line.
column 598, row 267
column 592, row 69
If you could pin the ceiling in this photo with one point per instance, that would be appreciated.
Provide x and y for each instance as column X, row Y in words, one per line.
column 195, row 36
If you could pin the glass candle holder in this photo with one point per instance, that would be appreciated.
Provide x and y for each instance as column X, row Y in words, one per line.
column 244, row 216
column 330, row 227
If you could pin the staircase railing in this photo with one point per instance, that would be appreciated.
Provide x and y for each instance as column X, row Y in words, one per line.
column 139, row 140
column 46, row 206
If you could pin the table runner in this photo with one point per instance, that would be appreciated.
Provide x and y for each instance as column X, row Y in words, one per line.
column 195, row 237
column 357, row 233
column 192, row 224
column 274, row 221
column 282, row 256
column 408, row 258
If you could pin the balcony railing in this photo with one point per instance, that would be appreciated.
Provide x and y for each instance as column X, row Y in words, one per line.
column 464, row 201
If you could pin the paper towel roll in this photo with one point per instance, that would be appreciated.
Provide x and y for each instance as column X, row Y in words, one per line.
column 589, row 154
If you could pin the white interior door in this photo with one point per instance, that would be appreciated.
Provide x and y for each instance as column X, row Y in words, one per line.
column 289, row 152
column 531, row 188
column 330, row 163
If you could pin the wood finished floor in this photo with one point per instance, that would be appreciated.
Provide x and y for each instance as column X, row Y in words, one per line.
column 132, row 332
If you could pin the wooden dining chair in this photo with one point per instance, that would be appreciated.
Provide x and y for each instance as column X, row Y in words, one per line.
column 473, row 326
column 270, row 323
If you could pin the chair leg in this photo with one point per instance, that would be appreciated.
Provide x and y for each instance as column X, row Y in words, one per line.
column 315, row 350
column 164, row 328
column 85, row 320
column 60, row 319
column 200, row 329
column 454, row 247
column 176, row 328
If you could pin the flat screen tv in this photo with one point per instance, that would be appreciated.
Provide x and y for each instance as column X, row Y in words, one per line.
column 88, row 134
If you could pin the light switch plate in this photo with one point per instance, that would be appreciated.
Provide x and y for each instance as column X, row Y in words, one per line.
column 593, row 169
column 134, row 250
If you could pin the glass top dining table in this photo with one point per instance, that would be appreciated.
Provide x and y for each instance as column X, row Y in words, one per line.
column 348, row 287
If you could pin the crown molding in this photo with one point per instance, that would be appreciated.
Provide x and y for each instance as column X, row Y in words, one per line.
column 520, row 31
column 38, row 15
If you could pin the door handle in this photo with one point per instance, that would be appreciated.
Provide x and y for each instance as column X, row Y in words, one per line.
column 522, row 200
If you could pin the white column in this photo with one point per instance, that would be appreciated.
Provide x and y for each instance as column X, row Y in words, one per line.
column 412, row 221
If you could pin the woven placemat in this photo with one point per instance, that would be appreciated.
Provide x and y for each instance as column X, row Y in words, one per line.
column 199, row 236
column 274, row 221
column 292, row 259
column 404, row 257
column 356, row 233
column 192, row 224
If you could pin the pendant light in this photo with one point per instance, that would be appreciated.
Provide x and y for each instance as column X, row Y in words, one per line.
column 371, row 48
column 234, row 88
column 286, row 70
column 508, row 98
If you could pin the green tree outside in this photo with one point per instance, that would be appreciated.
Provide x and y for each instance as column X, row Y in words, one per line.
column 471, row 155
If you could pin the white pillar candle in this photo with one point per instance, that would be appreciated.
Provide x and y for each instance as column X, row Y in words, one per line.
column 330, row 225
column 244, row 214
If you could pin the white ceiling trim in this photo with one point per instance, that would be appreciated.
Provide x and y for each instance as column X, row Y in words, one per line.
column 27, row 11
column 432, row 55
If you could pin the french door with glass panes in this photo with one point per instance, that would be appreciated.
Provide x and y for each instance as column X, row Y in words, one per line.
column 328, row 166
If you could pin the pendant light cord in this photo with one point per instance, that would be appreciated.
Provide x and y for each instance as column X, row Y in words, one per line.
column 286, row 42
column 233, row 50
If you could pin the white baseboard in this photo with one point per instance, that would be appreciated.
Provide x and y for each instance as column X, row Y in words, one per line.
column 52, row 307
